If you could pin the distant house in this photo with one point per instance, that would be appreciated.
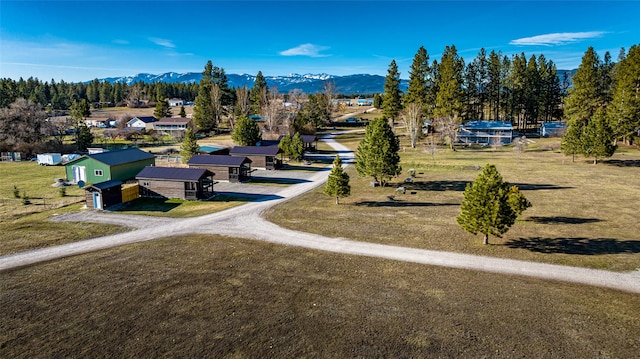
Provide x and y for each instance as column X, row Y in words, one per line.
column 227, row 168
column 485, row 132
column 365, row 102
column 111, row 165
column 104, row 194
column 173, row 102
column 175, row 182
column 552, row 129
column 263, row 157
column 142, row 122
column 96, row 122
column 172, row 124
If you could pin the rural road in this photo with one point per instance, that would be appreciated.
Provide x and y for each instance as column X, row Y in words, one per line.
column 246, row 221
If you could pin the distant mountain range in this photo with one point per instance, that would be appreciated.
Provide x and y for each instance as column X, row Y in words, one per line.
column 361, row 84
column 308, row 83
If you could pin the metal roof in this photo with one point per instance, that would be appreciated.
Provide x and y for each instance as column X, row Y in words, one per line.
column 484, row 125
column 173, row 173
column 217, row 160
column 104, row 185
column 118, row 157
column 255, row 150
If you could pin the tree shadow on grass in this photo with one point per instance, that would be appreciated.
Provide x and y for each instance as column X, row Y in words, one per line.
column 275, row 180
column 245, row 197
column 400, row 203
column 562, row 220
column 582, row 246
column 461, row 185
column 623, row 163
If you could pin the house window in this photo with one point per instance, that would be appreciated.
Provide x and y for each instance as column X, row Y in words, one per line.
column 190, row 186
column 145, row 184
column 98, row 173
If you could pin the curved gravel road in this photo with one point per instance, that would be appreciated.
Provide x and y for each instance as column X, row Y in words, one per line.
column 246, row 221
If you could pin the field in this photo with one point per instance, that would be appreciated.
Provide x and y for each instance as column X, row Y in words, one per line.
column 210, row 296
column 25, row 226
column 206, row 296
column 582, row 214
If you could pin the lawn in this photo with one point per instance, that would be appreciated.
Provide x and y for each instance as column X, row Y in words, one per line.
column 177, row 208
column 206, row 296
column 25, row 227
column 582, row 214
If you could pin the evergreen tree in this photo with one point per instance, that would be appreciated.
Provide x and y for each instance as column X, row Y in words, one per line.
column 624, row 112
column 79, row 112
column 338, row 181
column 377, row 100
column 377, row 154
column 285, row 146
column 417, row 90
column 572, row 139
column 246, row 132
column 449, row 96
column 189, row 146
column 297, row 147
column 183, row 112
column 258, row 94
column 392, row 100
column 490, row 206
column 586, row 95
column 597, row 139
column 203, row 110
column 162, row 109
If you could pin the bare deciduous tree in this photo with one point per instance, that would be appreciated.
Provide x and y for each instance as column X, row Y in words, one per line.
column 216, row 103
column 413, row 122
column 448, row 126
column 274, row 110
column 329, row 91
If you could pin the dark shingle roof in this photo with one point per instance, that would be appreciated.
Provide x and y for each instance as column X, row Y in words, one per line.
column 173, row 173
column 217, row 160
column 304, row 138
column 118, row 157
column 105, row 184
column 254, row 150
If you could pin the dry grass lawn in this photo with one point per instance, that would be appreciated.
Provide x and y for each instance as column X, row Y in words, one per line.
column 206, row 296
column 582, row 214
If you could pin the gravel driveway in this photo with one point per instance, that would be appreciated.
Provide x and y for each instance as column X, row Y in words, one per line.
column 246, row 221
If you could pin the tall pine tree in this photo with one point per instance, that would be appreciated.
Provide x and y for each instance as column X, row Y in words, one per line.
column 392, row 100
column 377, row 154
column 189, row 146
column 203, row 109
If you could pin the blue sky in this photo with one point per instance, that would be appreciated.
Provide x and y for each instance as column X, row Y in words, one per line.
column 82, row 40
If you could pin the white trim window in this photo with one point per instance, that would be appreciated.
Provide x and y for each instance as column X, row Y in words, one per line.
column 98, row 173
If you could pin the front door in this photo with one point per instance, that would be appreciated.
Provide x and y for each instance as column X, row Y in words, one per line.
column 79, row 174
column 97, row 200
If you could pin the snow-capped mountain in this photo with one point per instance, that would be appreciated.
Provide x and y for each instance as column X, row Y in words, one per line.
column 307, row 83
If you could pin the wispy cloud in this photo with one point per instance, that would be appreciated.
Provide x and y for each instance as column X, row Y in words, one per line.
column 162, row 42
column 559, row 38
column 309, row 50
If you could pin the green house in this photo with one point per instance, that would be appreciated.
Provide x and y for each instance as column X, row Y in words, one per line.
column 120, row 165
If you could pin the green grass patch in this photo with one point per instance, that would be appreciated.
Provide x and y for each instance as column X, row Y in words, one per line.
column 206, row 296
column 582, row 215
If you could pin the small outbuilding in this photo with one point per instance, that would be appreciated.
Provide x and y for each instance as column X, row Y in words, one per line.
column 176, row 182
column 227, row 168
column 104, row 194
column 263, row 157
column 552, row 129
column 110, row 165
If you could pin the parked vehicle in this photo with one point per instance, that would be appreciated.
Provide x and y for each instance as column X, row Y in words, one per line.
column 49, row 159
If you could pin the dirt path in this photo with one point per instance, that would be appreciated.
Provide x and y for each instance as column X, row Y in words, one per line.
column 246, row 221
